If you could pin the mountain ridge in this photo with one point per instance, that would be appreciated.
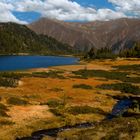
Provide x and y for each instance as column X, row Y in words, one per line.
column 116, row 34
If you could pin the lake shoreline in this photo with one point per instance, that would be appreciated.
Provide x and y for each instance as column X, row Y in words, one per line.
column 23, row 63
column 28, row 54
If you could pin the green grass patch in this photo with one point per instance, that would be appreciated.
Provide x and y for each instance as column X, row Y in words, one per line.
column 75, row 110
column 14, row 75
column 3, row 107
column 56, row 107
column 56, row 112
column 50, row 74
column 3, row 110
column 112, row 75
column 8, row 82
column 16, row 101
column 129, row 67
column 3, row 113
column 123, row 87
column 10, row 79
column 82, row 86
column 101, row 73
column 53, row 103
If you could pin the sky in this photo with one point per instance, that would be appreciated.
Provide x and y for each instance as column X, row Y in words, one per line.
column 27, row 11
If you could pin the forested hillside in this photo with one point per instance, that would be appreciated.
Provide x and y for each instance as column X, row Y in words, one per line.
column 15, row 38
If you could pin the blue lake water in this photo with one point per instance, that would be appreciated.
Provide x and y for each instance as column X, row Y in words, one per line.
column 11, row 63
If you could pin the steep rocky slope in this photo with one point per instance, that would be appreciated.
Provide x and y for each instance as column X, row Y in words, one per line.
column 115, row 34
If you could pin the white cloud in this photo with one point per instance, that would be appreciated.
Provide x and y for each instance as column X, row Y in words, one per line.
column 6, row 14
column 68, row 10
column 127, row 6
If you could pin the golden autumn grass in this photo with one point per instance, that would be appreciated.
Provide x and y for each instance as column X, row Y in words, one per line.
column 37, row 91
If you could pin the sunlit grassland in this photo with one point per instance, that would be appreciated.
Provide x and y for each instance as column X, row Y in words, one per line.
column 67, row 96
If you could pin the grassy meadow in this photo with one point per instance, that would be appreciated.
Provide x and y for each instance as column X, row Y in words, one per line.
column 67, row 95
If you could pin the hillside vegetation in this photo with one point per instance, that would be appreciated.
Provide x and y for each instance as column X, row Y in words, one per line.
column 106, row 53
column 15, row 38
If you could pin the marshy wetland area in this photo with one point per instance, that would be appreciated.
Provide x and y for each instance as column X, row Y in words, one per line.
column 65, row 96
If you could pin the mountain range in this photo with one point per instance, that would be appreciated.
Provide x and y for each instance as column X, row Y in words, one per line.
column 47, row 36
column 115, row 34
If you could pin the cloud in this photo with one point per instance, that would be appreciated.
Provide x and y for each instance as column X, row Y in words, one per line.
column 68, row 10
column 127, row 6
column 6, row 14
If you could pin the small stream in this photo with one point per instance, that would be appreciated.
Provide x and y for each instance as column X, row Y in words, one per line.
column 38, row 135
column 119, row 108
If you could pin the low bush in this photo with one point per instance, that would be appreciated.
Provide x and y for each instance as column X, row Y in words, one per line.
column 50, row 74
column 75, row 110
column 101, row 73
column 3, row 107
column 3, row 110
column 135, row 67
column 3, row 113
column 54, row 103
column 56, row 112
column 78, row 77
column 112, row 75
column 16, row 101
column 123, row 87
column 56, row 89
column 12, row 75
column 83, row 86
column 8, row 82
column 6, row 122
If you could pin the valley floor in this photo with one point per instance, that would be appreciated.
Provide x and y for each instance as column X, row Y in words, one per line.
column 67, row 95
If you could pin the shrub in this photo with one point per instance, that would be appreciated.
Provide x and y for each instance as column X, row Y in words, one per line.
column 101, row 73
column 135, row 67
column 16, row 101
column 132, row 80
column 8, row 82
column 6, row 122
column 75, row 110
column 56, row 89
column 56, row 112
column 12, row 75
column 123, row 87
column 3, row 110
column 54, row 103
column 3, row 113
column 50, row 74
column 3, row 107
column 83, row 86
column 112, row 75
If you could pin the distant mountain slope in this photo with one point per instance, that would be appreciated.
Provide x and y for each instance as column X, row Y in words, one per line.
column 15, row 38
column 116, row 34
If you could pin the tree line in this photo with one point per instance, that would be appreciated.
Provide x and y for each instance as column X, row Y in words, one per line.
column 107, row 53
